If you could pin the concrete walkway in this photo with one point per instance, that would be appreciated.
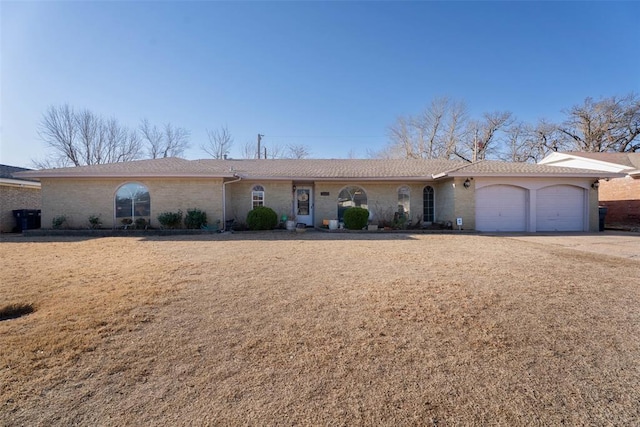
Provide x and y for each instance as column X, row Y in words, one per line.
column 614, row 243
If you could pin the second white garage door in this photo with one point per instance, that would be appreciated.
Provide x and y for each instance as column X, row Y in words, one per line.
column 560, row 208
column 501, row 208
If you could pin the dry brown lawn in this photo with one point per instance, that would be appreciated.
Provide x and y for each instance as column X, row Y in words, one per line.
column 317, row 329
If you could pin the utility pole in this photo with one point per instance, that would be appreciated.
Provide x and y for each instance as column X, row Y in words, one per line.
column 259, row 139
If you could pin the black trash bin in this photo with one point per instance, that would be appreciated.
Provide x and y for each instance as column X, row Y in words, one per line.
column 27, row 219
column 602, row 211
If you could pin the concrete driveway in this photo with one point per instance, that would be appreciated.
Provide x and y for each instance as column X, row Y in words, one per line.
column 614, row 243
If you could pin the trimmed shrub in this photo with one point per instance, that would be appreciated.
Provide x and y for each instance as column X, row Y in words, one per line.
column 170, row 219
column 195, row 219
column 59, row 222
column 262, row 218
column 356, row 218
column 95, row 222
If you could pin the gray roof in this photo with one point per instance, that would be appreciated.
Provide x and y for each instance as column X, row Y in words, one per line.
column 311, row 169
column 7, row 172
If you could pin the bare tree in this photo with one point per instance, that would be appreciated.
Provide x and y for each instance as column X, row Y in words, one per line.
column 170, row 141
column 58, row 130
column 273, row 151
column 481, row 138
column 176, row 140
column 610, row 124
column 153, row 137
column 298, row 151
column 249, row 150
column 435, row 133
column 220, row 143
column 84, row 138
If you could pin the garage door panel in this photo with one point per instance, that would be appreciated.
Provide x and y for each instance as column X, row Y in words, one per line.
column 560, row 208
column 501, row 208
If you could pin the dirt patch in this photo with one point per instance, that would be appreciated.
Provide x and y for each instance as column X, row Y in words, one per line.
column 315, row 328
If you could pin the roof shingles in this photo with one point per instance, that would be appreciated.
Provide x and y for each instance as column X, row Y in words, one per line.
column 316, row 169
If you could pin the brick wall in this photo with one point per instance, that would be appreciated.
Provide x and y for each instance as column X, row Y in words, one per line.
column 621, row 196
column 14, row 197
column 77, row 199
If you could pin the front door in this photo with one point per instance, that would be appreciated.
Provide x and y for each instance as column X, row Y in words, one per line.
column 304, row 205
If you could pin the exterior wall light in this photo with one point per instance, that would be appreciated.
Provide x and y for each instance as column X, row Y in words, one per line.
column 595, row 184
column 467, row 183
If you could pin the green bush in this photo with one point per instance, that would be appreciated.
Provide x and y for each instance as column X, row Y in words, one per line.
column 195, row 219
column 356, row 218
column 170, row 219
column 58, row 222
column 95, row 222
column 262, row 218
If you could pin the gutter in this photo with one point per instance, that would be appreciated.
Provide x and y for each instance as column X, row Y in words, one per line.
column 224, row 199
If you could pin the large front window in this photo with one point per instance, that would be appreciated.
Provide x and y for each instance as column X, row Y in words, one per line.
column 257, row 196
column 403, row 202
column 133, row 203
column 351, row 197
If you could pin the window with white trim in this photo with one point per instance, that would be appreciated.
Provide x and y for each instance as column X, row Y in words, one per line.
column 428, row 204
column 353, row 196
column 257, row 196
column 404, row 198
column 132, row 203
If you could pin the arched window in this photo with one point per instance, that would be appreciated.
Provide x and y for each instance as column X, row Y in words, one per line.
column 257, row 196
column 353, row 196
column 132, row 202
column 428, row 204
column 404, row 197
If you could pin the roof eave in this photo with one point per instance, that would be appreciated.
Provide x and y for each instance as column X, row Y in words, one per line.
column 595, row 175
column 19, row 183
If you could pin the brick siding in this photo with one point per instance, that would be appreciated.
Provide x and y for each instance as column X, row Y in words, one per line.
column 621, row 196
column 13, row 197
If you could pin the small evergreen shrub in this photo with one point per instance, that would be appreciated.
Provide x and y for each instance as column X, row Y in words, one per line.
column 170, row 219
column 262, row 218
column 95, row 222
column 58, row 222
column 356, row 218
column 195, row 219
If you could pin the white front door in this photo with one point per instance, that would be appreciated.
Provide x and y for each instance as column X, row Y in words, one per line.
column 303, row 205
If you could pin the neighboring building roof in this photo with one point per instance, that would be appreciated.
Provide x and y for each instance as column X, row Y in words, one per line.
column 7, row 177
column 627, row 163
column 517, row 169
column 312, row 169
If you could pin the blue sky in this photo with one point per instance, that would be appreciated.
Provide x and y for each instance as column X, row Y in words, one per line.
column 330, row 75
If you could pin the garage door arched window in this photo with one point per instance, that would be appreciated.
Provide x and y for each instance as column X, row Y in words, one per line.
column 257, row 196
column 352, row 196
column 132, row 202
column 428, row 204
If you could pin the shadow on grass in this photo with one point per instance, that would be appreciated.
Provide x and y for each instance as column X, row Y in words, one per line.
column 46, row 236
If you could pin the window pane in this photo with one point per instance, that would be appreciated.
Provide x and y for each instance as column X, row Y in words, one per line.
column 428, row 204
column 132, row 200
column 351, row 197
column 403, row 201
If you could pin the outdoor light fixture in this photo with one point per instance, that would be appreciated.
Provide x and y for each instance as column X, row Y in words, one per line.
column 467, row 183
column 294, row 188
column 595, row 184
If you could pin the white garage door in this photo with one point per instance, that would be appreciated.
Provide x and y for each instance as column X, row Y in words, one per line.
column 560, row 208
column 501, row 208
